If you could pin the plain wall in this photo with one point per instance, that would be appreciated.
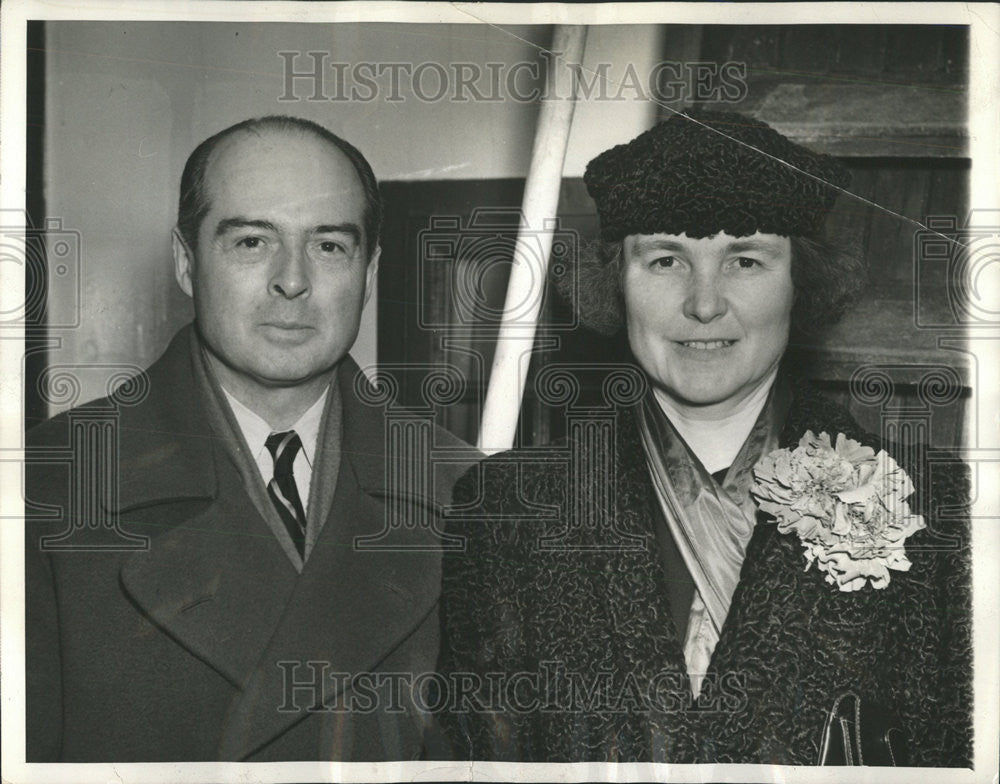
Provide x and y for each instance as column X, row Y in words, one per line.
column 127, row 102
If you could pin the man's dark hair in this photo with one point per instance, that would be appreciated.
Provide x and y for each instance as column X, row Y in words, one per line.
column 193, row 205
column 827, row 278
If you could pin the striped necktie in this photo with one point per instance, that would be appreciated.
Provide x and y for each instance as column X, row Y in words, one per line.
column 282, row 490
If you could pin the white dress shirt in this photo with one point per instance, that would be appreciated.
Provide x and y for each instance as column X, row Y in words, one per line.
column 255, row 432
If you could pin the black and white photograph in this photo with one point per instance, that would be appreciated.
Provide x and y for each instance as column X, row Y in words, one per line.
column 412, row 391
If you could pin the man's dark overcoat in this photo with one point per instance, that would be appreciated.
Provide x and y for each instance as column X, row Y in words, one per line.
column 572, row 655
column 196, row 648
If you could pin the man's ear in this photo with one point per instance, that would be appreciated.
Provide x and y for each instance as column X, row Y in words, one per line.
column 183, row 263
column 371, row 272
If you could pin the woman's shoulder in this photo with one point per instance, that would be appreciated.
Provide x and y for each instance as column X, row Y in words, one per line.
column 504, row 493
column 528, row 490
column 523, row 474
column 503, row 478
column 812, row 409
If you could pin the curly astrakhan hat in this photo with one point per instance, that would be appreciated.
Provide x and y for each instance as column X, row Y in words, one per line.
column 701, row 173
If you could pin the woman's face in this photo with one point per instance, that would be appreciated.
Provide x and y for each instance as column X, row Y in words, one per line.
column 708, row 318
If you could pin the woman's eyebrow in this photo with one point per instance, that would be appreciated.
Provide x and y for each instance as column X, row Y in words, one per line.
column 752, row 244
column 657, row 244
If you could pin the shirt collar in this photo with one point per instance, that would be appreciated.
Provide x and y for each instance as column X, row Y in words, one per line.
column 256, row 429
column 716, row 442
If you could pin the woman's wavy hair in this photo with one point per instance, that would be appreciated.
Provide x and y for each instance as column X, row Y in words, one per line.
column 827, row 277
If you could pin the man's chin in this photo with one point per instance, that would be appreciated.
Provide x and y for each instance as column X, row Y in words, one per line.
column 293, row 377
column 275, row 373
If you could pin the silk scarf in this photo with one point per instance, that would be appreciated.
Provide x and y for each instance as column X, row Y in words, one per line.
column 710, row 522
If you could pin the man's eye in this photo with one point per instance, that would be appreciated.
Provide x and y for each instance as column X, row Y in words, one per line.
column 329, row 246
column 251, row 243
column 663, row 262
column 744, row 262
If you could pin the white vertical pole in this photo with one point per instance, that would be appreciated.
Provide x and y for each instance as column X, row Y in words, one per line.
column 526, row 287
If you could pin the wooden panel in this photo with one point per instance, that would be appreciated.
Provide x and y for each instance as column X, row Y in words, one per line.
column 863, row 53
column 895, row 198
column 807, row 49
column 914, row 52
column 759, row 45
column 924, row 54
column 865, row 119
column 858, row 90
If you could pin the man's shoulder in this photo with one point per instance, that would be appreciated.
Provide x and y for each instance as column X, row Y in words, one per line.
column 54, row 430
column 150, row 413
column 387, row 437
column 168, row 379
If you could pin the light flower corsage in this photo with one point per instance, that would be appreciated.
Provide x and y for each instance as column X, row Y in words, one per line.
column 845, row 503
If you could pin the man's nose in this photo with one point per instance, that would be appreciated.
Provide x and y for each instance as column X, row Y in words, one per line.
column 705, row 300
column 290, row 276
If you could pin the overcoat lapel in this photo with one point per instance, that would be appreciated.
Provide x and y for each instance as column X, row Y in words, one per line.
column 216, row 582
column 637, row 512
column 193, row 580
column 351, row 606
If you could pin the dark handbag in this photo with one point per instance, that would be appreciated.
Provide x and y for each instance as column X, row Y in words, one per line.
column 859, row 732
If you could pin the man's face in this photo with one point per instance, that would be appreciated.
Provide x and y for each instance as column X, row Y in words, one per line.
column 280, row 273
column 708, row 319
